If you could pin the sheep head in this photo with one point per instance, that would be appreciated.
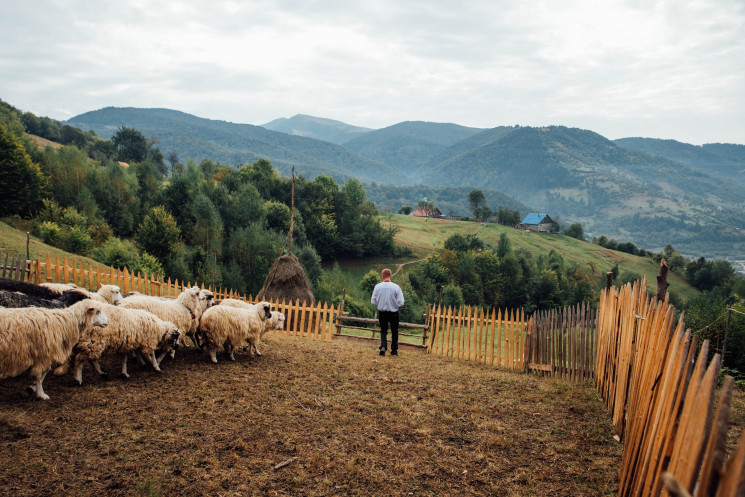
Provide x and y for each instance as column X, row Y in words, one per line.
column 97, row 316
column 265, row 310
column 208, row 296
column 171, row 336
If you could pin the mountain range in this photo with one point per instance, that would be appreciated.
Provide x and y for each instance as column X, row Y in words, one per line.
column 651, row 192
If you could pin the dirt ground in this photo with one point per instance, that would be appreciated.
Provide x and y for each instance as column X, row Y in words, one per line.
column 308, row 418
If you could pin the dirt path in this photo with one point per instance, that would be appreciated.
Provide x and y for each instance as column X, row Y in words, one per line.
column 399, row 267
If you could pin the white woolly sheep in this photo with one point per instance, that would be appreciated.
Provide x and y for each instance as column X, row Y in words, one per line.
column 275, row 322
column 39, row 338
column 230, row 327
column 129, row 330
column 206, row 300
column 109, row 294
column 180, row 311
column 59, row 287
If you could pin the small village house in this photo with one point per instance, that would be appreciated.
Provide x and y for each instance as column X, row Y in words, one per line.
column 424, row 212
column 535, row 221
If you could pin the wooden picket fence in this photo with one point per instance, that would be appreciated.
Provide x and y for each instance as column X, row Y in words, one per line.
column 561, row 343
column 13, row 266
column 662, row 400
column 493, row 337
column 307, row 320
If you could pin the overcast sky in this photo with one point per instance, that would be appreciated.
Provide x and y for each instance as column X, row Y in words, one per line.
column 659, row 69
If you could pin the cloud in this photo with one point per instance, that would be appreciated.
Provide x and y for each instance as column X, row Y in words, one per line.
column 652, row 68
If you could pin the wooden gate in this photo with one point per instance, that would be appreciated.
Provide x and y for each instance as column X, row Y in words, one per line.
column 561, row 342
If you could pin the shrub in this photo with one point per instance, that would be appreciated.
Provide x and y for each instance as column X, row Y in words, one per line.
column 117, row 253
column 77, row 240
column 50, row 233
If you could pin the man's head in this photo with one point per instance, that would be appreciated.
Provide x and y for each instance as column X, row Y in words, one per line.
column 386, row 274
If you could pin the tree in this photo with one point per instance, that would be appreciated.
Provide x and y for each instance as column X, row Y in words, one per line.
column 131, row 145
column 158, row 233
column 575, row 230
column 369, row 280
column 405, row 210
column 208, row 228
column 456, row 243
column 477, row 200
column 22, row 185
column 504, row 247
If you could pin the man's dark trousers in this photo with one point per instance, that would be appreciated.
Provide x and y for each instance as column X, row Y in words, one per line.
column 386, row 318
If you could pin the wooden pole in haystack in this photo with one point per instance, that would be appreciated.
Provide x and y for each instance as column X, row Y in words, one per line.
column 292, row 206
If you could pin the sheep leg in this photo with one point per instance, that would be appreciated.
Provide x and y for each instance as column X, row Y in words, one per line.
column 97, row 367
column 161, row 356
column 124, row 366
column 253, row 346
column 37, row 387
column 213, row 354
column 136, row 355
column 154, row 361
column 230, row 350
column 79, row 371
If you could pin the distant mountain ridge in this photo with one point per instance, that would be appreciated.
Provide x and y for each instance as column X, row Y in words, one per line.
column 409, row 145
column 194, row 137
column 718, row 159
column 651, row 192
column 316, row 127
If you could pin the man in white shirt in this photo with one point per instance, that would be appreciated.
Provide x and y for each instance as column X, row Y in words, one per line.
column 388, row 298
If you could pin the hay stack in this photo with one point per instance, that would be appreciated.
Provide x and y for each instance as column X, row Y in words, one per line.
column 286, row 280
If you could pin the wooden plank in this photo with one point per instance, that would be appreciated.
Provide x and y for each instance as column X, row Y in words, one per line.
column 541, row 367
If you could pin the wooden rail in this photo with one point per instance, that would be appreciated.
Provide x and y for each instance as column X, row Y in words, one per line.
column 341, row 319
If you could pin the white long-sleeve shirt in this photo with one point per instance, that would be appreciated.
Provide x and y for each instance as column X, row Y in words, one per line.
column 387, row 296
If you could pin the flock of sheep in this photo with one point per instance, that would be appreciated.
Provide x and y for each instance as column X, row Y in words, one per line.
column 62, row 325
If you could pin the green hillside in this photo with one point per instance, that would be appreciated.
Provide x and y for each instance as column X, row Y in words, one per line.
column 425, row 235
column 13, row 240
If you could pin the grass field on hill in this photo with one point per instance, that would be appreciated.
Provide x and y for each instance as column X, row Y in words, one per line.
column 13, row 240
column 423, row 236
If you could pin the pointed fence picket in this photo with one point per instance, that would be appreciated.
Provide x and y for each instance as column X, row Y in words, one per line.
column 494, row 337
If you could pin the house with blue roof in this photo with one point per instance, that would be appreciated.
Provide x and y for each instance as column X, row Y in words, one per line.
column 536, row 221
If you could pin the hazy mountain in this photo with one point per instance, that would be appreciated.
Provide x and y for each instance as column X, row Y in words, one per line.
column 717, row 159
column 612, row 190
column 194, row 137
column 316, row 127
column 409, row 145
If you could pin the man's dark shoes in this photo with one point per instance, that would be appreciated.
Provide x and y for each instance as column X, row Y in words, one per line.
column 394, row 353
column 382, row 352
